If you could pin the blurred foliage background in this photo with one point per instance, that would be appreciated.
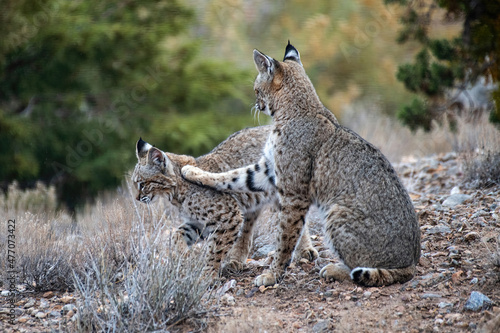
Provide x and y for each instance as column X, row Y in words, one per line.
column 80, row 81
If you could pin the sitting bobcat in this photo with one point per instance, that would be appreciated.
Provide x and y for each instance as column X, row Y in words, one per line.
column 205, row 210
column 309, row 159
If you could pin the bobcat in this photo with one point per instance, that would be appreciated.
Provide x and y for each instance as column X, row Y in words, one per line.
column 204, row 210
column 310, row 159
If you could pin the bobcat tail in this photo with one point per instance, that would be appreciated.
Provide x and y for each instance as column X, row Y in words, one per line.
column 374, row 277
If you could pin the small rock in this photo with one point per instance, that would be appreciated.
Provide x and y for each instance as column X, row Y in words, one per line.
column 263, row 251
column 5, row 293
column 431, row 278
column 7, row 311
column 452, row 318
column 321, row 326
column 228, row 286
column 40, row 315
column 367, row 294
column 455, row 190
column 479, row 213
column 474, row 281
column 439, row 321
column 439, row 229
column 44, row 304
column 68, row 308
column 456, row 199
column 471, row 236
column 477, row 302
column 48, row 294
column 55, row 314
column 425, row 296
column 67, row 299
column 30, row 303
column 227, row 299
column 443, row 305
column 449, row 156
column 23, row 319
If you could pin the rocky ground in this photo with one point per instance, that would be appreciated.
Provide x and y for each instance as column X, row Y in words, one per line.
column 457, row 287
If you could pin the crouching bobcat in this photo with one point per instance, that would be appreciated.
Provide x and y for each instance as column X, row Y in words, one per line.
column 310, row 159
column 204, row 210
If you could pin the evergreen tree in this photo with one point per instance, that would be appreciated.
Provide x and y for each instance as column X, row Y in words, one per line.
column 443, row 64
column 80, row 81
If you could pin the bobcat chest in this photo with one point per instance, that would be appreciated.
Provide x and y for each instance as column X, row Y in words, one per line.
column 269, row 154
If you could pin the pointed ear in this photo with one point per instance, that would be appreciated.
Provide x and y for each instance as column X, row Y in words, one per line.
column 291, row 53
column 141, row 148
column 156, row 156
column 264, row 64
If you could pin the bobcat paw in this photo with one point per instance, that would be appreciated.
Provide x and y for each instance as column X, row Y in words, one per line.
column 265, row 279
column 309, row 253
column 335, row 272
column 190, row 173
column 232, row 267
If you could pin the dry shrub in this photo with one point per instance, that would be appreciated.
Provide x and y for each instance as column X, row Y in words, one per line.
column 48, row 252
column 117, row 256
column 392, row 138
column 40, row 199
column 45, row 250
column 479, row 145
column 134, row 280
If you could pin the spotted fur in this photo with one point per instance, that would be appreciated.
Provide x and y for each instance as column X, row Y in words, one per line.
column 204, row 210
column 310, row 159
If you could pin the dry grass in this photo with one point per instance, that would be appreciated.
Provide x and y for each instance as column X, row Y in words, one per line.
column 42, row 236
column 116, row 255
column 396, row 141
column 477, row 141
column 479, row 145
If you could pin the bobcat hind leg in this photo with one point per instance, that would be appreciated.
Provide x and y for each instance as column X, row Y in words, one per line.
column 222, row 239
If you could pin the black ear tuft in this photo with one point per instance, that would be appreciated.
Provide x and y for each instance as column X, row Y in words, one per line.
column 141, row 148
column 140, row 144
column 291, row 53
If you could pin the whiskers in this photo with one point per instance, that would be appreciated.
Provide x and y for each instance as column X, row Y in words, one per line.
column 255, row 113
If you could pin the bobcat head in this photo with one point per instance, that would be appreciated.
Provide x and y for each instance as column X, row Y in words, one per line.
column 154, row 173
column 281, row 84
